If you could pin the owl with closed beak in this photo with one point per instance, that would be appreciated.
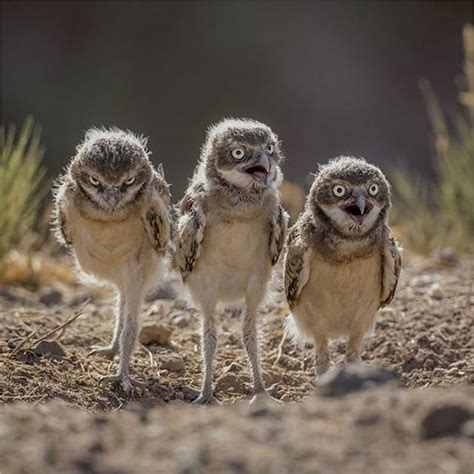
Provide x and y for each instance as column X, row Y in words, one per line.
column 230, row 232
column 342, row 262
column 112, row 210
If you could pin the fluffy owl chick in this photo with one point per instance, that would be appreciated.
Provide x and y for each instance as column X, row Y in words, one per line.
column 342, row 262
column 112, row 210
column 231, row 230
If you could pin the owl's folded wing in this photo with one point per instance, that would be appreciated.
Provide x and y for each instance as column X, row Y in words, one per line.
column 297, row 267
column 190, row 232
column 278, row 227
column 391, row 266
column 60, row 218
column 156, row 219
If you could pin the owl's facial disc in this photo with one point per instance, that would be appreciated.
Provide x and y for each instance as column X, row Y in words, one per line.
column 353, row 210
column 249, row 166
column 111, row 193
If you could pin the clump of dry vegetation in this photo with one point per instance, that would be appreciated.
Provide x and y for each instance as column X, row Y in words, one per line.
column 22, row 183
column 440, row 213
column 24, row 222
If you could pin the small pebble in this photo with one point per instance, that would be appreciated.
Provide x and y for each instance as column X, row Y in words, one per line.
column 52, row 348
column 51, row 298
column 155, row 334
column 173, row 364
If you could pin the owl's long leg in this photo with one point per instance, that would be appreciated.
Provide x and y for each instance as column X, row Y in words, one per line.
column 112, row 350
column 322, row 360
column 208, row 346
column 131, row 295
column 250, row 339
column 354, row 346
column 249, row 336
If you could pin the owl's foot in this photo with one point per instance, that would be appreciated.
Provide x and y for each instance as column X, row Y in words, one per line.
column 322, row 363
column 108, row 352
column 263, row 397
column 121, row 380
column 352, row 356
column 206, row 399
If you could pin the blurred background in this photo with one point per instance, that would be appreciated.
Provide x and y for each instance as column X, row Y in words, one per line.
column 330, row 78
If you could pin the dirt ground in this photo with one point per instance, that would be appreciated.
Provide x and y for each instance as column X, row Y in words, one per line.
column 55, row 417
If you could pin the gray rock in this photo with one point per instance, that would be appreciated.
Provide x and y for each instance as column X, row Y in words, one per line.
column 448, row 256
column 443, row 421
column 352, row 378
column 51, row 298
column 155, row 334
column 173, row 364
column 52, row 348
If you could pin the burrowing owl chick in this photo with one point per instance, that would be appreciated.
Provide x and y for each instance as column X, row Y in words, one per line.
column 231, row 230
column 342, row 262
column 112, row 209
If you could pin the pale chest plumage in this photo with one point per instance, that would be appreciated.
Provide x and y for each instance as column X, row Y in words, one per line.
column 234, row 255
column 339, row 299
column 107, row 249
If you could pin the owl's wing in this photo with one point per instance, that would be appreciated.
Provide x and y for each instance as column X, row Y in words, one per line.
column 60, row 217
column 155, row 217
column 391, row 266
column 278, row 227
column 297, row 268
column 190, row 231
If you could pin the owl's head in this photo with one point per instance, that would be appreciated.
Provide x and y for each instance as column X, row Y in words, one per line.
column 353, row 195
column 242, row 153
column 111, row 169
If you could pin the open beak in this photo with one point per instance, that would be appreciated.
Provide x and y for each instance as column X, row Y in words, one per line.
column 359, row 208
column 260, row 169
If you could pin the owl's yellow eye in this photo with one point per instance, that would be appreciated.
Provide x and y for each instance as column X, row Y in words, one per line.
column 130, row 180
column 238, row 153
column 270, row 148
column 339, row 190
column 94, row 181
column 373, row 189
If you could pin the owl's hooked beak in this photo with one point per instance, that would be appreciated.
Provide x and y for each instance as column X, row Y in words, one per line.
column 113, row 197
column 260, row 169
column 361, row 202
column 359, row 208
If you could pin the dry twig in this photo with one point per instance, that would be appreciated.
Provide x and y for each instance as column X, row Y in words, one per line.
column 61, row 326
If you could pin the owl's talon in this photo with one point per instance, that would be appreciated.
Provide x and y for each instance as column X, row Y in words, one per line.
column 108, row 352
column 206, row 399
column 123, row 381
column 263, row 397
column 323, row 363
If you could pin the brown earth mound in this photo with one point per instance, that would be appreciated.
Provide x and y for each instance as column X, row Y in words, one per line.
column 57, row 423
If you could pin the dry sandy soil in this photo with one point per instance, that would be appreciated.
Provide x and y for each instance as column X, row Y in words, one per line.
column 55, row 417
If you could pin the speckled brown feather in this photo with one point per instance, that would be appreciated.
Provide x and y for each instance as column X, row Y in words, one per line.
column 389, row 289
column 278, row 227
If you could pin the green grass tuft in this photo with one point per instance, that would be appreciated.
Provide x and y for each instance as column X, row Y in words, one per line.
column 22, row 185
column 440, row 213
